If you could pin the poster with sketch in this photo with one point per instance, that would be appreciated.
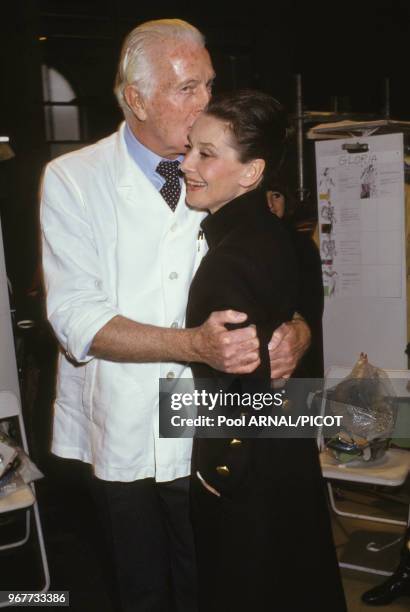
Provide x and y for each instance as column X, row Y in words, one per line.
column 358, row 221
column 360, row 196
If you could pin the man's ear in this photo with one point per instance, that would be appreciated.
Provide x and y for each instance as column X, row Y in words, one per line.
column 253, row 172
column 135, row 102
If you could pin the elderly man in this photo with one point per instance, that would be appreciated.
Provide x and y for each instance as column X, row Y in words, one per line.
column 120, row 248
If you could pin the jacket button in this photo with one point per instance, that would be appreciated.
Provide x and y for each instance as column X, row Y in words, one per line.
column 235, row 442
column 175, row 324
column 171, row 374
column 223, row 470
column 173, row 275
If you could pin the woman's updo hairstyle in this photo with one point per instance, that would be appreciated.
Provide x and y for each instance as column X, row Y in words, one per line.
column 258, row 125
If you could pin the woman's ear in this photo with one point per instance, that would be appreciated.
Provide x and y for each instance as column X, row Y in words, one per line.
column 252, row 173
column 135, row 102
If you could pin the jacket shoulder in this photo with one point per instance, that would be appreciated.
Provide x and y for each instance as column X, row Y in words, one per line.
column 85, row 158
column 261, row 233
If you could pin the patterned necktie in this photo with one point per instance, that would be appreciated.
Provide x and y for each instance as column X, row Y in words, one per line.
column 171, row 189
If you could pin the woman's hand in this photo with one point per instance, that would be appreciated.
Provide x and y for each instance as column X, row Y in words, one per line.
column 288, row 344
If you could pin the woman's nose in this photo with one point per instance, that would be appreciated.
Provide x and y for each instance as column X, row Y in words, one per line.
column 186, row 165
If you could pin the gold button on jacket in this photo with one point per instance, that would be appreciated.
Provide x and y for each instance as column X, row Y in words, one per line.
column 235, row 442
column 223, row 470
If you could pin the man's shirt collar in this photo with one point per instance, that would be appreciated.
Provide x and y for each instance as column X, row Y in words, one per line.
column 145, row 159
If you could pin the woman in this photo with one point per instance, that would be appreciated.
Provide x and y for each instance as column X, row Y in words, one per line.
column 310, row 300
column 259, row 512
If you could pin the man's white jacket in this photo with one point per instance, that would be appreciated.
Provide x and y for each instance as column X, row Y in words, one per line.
column 111, row 246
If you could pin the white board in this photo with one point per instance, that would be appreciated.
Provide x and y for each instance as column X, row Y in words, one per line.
column 8, row 367
column 362, row 244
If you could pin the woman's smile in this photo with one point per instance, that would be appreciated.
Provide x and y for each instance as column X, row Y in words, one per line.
column 192, row 185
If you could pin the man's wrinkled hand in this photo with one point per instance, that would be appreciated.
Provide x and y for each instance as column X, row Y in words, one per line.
column 235, row 351
column 288, row 344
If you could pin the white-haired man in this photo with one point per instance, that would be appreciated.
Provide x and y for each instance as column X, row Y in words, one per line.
column 120, row 248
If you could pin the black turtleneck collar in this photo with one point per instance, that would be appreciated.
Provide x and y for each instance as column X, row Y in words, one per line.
column 236, row 212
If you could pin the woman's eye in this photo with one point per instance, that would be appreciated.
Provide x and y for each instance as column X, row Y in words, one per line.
column 204, row 154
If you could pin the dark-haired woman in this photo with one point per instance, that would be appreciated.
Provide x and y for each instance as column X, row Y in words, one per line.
column 259, row 512
column 310, row 300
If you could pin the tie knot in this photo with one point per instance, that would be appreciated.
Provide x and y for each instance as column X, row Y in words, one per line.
column 171, row 189
column 169, row 170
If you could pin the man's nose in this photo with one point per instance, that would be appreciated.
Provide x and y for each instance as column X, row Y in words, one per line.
column 204, row 95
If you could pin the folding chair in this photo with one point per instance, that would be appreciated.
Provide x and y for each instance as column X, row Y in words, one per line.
column 25, row 497
column 391, row 470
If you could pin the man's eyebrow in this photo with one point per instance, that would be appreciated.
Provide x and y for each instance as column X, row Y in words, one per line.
column 189, row 82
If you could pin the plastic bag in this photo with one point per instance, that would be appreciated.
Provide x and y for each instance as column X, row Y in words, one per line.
column 20, row 471
column 364, row 400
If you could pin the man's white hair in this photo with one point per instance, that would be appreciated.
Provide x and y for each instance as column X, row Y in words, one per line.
column 135, row 65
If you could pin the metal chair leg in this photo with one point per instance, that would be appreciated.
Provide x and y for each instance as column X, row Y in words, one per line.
column 364, row 517
column 26, row 536
column 40, row 537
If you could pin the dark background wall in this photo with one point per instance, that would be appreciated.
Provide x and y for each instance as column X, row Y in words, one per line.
column 342, row 49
